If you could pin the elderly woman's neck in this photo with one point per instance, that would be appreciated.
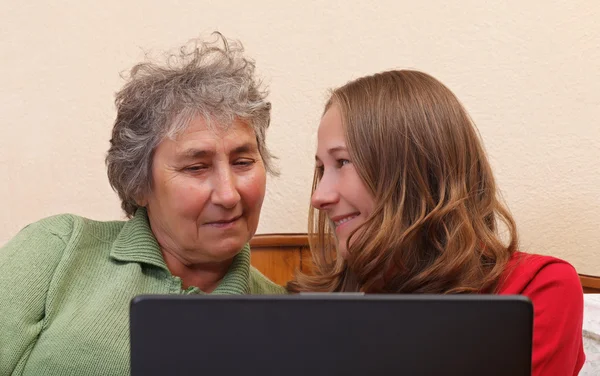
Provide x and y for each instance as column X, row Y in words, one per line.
column 205, row 276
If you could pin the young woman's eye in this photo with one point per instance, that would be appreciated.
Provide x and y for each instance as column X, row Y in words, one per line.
column 342, row 162
column 319, row 169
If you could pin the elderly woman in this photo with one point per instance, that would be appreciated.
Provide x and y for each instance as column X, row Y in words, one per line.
column 188, row 160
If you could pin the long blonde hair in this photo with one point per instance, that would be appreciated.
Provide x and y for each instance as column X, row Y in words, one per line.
column 435, row 225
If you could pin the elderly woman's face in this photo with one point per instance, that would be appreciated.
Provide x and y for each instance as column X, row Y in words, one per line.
column 208, row 189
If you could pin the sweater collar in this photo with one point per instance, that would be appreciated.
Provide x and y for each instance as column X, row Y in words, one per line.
column 136, row 243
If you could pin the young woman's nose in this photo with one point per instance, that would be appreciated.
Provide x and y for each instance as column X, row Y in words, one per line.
column 325, row 194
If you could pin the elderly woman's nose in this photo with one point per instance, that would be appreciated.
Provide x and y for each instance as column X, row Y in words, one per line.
column 225, row 192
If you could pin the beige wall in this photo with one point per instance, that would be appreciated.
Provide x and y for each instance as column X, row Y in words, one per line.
column 528, row 72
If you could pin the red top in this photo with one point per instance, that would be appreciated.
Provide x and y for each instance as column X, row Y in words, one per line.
column 555, row 290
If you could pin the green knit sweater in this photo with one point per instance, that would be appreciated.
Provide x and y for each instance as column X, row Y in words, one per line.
column 65, row 287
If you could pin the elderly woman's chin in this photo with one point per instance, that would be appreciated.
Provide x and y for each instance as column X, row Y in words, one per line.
column 223, row 241
column 208, row 239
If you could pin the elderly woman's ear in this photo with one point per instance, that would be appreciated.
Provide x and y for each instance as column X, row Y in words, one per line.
column 141, row 200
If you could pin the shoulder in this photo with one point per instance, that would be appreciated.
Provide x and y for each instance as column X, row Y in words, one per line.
column 58, row 231
column 57, row 228
column 559, row 276
column 259, row 284
column 37, row 249
column 527, row 272
column 61, row 225
column 555, row 291
column 66, row 225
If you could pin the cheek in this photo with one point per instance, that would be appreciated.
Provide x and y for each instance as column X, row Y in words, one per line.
column 362, row 197
column 369, row 203
column 189, row 197
column 252, row 189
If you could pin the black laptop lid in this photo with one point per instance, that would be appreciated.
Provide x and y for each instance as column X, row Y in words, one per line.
column 333, row 334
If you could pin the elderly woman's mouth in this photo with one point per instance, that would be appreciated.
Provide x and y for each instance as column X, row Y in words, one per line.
column 224, row 223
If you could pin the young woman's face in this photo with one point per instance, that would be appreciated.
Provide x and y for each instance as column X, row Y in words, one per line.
column 340, row 192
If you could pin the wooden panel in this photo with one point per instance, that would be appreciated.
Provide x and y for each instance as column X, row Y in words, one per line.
column 279, row 240
column 305, row 260
column 590, row 284
column 278, row 256
column 277, row 265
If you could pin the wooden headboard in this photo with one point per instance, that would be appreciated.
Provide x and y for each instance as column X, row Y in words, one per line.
column 278, row 256
column 590, row 284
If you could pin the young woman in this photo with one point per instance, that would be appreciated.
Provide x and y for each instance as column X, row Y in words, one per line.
column 406, row 202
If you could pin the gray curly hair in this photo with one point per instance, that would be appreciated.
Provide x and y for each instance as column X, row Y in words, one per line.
column 209, row 79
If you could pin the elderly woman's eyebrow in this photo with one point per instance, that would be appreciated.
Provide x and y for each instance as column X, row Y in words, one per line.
column 195, row 153
column 248, row 147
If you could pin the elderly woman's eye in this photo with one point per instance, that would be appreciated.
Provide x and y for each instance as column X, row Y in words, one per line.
column 195, row 168
column 244, row 162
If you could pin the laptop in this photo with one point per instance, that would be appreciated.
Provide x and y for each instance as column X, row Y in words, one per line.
column 331, row 334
